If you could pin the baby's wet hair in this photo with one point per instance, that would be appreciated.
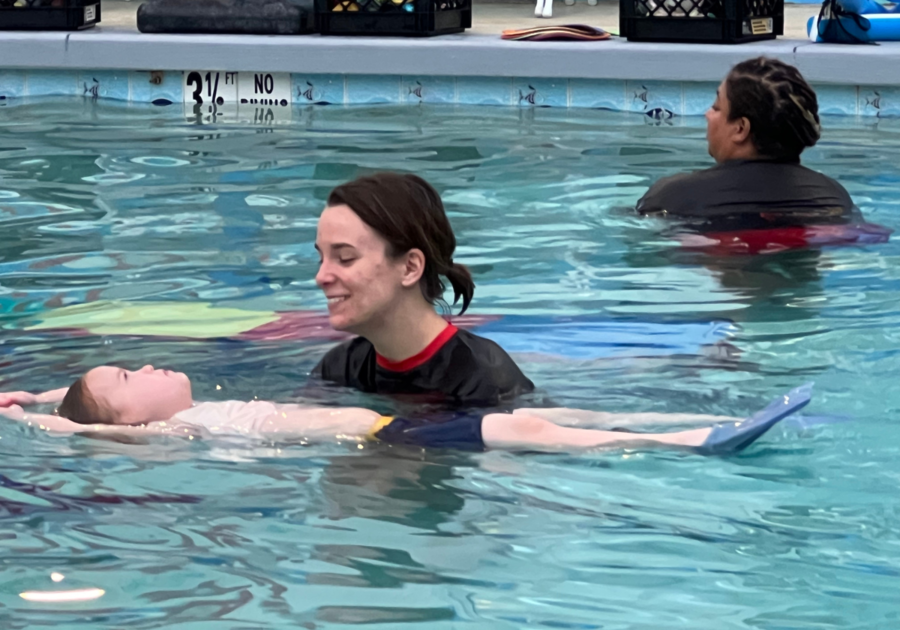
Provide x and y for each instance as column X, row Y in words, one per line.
column 80, row 406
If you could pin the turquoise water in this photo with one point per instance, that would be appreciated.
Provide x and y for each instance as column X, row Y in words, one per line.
column 137, row 205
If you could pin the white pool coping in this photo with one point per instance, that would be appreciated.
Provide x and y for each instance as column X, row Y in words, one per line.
column 451, row 55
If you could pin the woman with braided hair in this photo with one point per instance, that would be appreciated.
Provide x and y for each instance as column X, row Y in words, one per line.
column 764, row 116
column 385, row 242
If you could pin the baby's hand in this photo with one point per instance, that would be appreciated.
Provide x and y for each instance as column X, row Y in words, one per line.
column 13, row 412
column 8, row 399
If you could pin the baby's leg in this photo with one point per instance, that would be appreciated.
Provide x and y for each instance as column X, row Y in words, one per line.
column 518, row 431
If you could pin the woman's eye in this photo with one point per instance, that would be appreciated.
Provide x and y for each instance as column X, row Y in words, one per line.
column 346, row 261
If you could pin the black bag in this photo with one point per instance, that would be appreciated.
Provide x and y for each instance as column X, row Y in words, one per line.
column 836, row 25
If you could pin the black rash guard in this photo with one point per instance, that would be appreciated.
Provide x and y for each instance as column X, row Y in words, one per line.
column 748, row 194
column 457, row 367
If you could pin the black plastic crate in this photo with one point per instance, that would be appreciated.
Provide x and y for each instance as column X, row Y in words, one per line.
column 405, row 18
column 701, row 21
column 48, row 15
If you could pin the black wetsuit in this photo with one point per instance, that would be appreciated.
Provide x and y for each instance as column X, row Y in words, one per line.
column 458, row 367
column 749, row 194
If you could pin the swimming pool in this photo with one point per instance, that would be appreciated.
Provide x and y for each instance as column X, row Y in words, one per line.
column 133, row 204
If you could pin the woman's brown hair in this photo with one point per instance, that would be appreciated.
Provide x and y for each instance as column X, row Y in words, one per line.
column 408, row 213
column 80, row 406
column 781, row 106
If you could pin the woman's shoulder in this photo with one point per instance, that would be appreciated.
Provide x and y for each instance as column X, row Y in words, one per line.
column 489, row 362
column 479, row 345
column 337, row 358
column 670, row 190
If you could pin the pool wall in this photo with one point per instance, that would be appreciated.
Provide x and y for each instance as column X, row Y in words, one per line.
column 655, row 79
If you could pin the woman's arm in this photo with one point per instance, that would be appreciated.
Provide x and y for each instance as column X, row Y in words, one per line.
column 319, row 423
column 524, row 432
column 592, row 419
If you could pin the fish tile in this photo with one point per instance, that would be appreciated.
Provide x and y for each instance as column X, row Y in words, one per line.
column 318, row 89
column 422, row 89
column 541, row 92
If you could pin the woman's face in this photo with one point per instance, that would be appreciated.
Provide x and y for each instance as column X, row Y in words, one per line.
column 728, row 139
column 360, row 280
column 140, row 396
column 718, row 127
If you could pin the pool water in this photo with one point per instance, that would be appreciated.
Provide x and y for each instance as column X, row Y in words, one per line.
column 138, row 205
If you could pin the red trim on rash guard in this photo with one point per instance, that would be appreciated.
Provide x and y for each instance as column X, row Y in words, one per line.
column 418, row 359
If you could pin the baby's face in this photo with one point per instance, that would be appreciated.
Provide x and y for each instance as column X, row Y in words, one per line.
column 140, row 396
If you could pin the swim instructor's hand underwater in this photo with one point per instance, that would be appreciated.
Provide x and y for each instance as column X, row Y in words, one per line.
column 111, row 401
column 385, row 243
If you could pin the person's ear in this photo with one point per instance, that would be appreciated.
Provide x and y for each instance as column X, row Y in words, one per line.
column 742, row 130
column 413, row 267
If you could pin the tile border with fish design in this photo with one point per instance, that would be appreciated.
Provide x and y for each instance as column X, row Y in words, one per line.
column 660, row 101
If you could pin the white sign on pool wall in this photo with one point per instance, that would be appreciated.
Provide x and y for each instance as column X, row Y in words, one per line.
column 261, row 98
column 211, row 88
column 265, row 88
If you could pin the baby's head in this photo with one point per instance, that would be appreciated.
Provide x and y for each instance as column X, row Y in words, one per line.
column 112, row 395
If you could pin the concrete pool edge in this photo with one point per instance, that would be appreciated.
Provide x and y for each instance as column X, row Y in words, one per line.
column 451, row 55
column 461, row 69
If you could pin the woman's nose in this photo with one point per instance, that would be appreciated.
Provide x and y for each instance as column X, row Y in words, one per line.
column 147, row 368
column 323, row 275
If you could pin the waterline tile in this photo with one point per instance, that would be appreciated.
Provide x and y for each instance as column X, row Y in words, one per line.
column 12, row 84
column 323, row 89
column 838, row 99
column 878, row 101
column 51, row 83
column 541, row 92
column 654, row 98
column 372, row 89
column 597, row 94
column 484, row 91
column 104, row 84
column 698, row 97
column 159, row 88
column 428, row 90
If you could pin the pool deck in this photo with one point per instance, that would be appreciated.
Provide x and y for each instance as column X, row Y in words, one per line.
column 117, row 44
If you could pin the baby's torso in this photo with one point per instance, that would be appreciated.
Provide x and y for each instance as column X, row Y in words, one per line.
column 230, row 417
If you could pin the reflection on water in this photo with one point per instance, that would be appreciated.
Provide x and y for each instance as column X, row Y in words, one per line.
column 105, row 204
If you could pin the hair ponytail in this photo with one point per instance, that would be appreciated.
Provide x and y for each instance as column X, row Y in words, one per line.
column 463, row 286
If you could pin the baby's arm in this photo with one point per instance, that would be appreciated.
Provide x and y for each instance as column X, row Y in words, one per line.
column 60, row 425
column 591, row 419
column 27, row 398
column 44, row 421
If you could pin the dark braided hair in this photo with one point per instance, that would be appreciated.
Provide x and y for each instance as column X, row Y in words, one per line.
column 408, row 213
column 781, row 106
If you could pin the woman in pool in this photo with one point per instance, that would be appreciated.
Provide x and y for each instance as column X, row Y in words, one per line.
column 113, row 400
column 764, row 116
column 385, row 242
